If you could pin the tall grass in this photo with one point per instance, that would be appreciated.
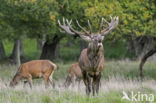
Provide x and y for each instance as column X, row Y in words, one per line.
column 117, row 76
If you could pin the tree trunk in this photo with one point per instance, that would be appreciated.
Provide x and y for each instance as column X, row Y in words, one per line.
column 2, row 51
column 40, row 43
column 16, row 57
column 50, row 50
column 21, row 49
column 143, row 60
column 141, row 45
column 14, row 50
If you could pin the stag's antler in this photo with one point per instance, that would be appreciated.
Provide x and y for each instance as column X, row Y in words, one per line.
column 111, row 25
column 68, row 28
column 90, row 27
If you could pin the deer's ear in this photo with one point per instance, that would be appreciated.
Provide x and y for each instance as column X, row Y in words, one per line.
column 86, row 38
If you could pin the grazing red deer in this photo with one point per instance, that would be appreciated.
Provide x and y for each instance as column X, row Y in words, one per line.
column 91, row 59
column 74, row 74
column 34, row 69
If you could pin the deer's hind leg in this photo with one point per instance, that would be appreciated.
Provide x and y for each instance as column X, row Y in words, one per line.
column 79, row 82
column 46, row 78
column 52, row 83
column 29, row 78
column 68, row 81
column 51, row 80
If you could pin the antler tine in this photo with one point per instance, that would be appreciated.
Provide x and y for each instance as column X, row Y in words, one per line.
column 68, row 23
column 90, row 27
column 117, row 20
column 86, row 32
column 59, row 22
column 64, row 21
column 105, row 20
column 101, row 24
column 114, row 22
column 66, row 26
column 60, row 26
column 111, row 25
column 70, row 27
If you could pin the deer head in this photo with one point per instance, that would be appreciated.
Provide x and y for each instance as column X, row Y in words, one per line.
column 15, row 80
column 94, row 39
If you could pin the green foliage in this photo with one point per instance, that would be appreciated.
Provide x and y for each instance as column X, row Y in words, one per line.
column 8, row 45
column 30, row 48
column 113, row 50
column 136, row 17
column 33, row 18
column 36, row 18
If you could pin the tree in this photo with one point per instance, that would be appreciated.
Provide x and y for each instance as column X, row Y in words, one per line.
column 49, row 49
column 32, row 19
column 143, row 60
column 14, row 51
column 38, row 18
column 2, row 51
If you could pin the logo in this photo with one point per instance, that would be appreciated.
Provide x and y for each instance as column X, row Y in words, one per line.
column 137, row 96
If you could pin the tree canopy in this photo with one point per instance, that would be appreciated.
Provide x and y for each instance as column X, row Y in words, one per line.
column 32, row 18
column 35, row 18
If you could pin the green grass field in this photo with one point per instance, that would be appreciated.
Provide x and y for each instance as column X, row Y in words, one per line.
column 118, row 76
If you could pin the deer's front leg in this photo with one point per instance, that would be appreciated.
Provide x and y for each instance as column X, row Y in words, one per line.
column 98, row 77
column 30, row 82
column 87, row 82
column 24, row 85
column 94, row 84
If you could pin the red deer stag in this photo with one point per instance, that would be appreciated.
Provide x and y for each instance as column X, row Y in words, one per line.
column 91, row 60
column 74, row 74
column 34, row 69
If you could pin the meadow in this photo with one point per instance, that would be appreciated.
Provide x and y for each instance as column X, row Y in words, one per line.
column 118, row 76
column 31, row 21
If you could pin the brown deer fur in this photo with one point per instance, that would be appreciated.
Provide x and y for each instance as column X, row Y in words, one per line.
column 91, row 60
column 34, row 69
column 74, row 74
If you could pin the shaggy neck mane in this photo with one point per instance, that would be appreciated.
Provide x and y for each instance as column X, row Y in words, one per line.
column 94, row 56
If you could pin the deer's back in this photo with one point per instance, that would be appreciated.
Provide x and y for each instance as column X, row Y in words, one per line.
column 36, row 67
column 75, row 70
